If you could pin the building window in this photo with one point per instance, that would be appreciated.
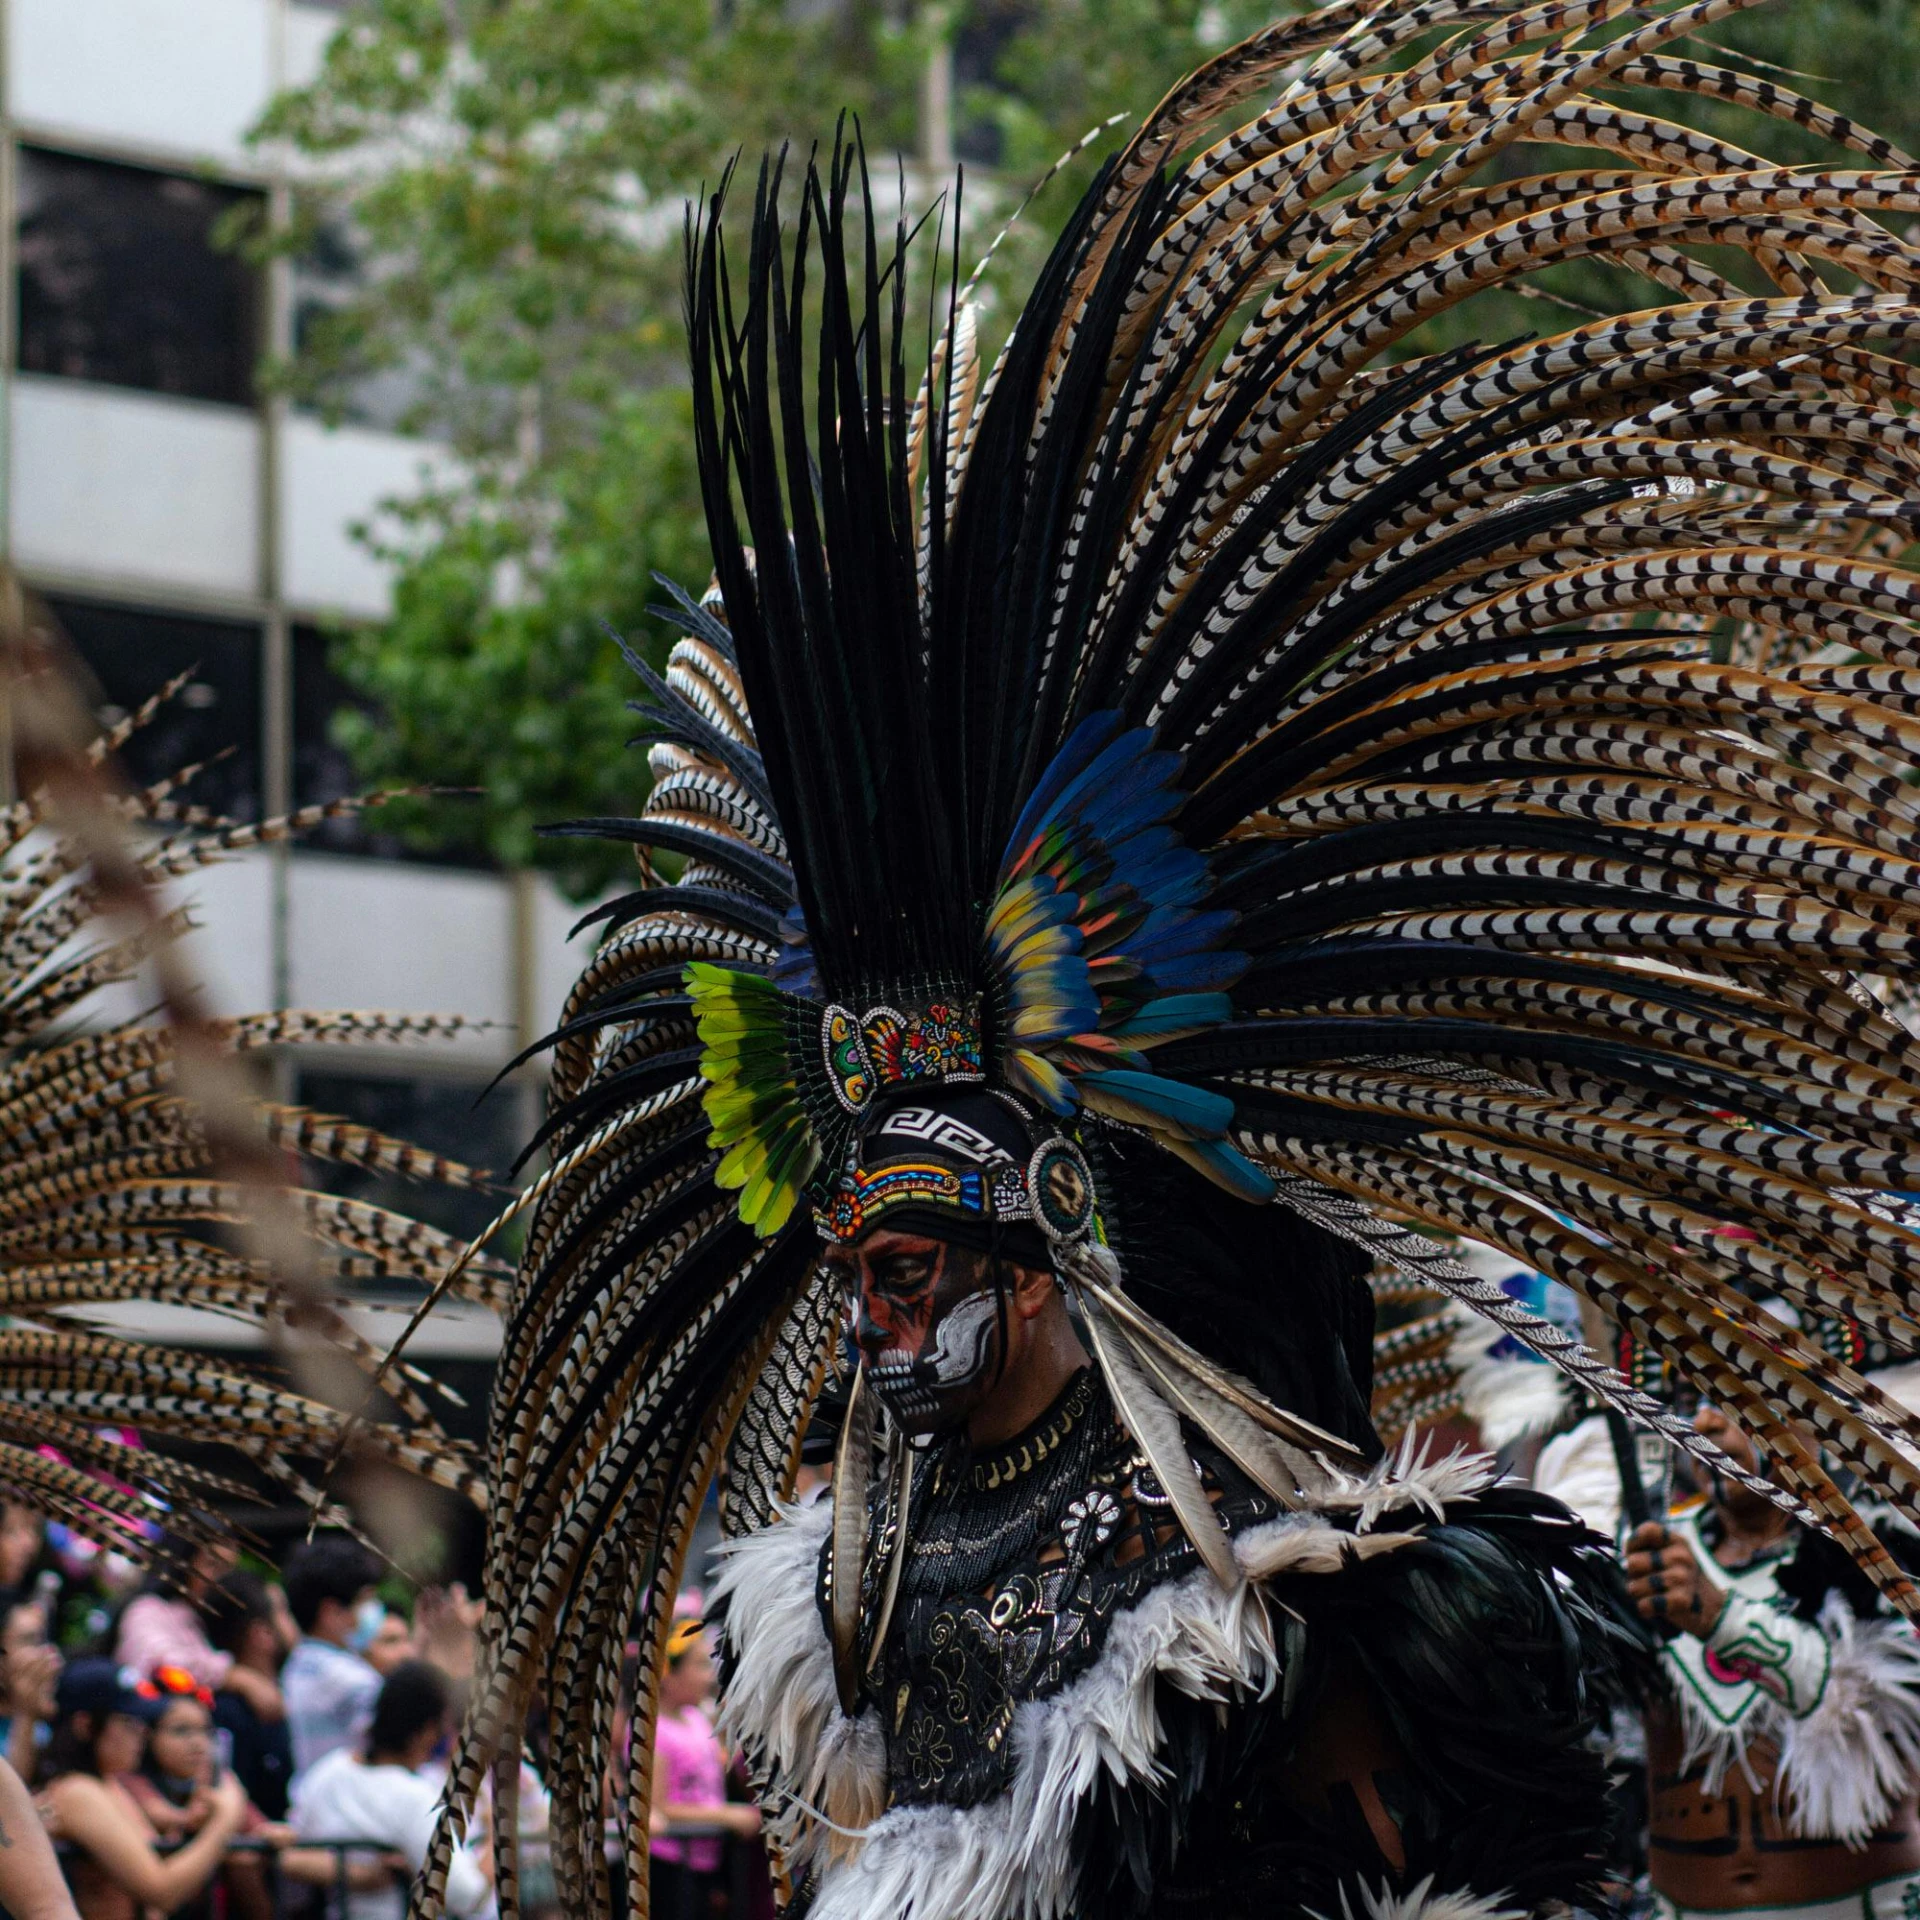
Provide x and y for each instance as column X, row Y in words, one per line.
column 121, row 280
column 330, row 276
column 446, row 1116
column 212, row 722
column 323, row 770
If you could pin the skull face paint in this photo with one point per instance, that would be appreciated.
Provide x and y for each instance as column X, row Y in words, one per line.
column 928, row 1321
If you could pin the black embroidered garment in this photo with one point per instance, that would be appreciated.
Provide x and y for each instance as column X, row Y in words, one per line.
column 1068, row 1717
column 1022, row 1556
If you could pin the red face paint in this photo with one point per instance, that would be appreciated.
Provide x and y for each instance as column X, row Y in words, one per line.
column 927, row 1320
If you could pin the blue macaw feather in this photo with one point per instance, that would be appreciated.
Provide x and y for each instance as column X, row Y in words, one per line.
column 1170, row 932
column 1056, row 976
column 1054, row 1020
column 1037, row 1077
column 1168, row 874
column 1124, row 775
column 1044, row 943
column 1152, row 1099
column 1087, row 740
column 1225, row 1166
column 1175, row 1013
column 1028, row 903
column 1136, row 856
column 1205, row 972
column 1103, row 942
column 1134, row 795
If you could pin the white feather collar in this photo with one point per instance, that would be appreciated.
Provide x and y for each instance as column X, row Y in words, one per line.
column 1011, row 1858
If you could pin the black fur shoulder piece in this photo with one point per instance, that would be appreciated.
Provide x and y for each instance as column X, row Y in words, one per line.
column 1472, row 1670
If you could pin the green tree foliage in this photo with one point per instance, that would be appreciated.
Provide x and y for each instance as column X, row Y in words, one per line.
column 511, row 174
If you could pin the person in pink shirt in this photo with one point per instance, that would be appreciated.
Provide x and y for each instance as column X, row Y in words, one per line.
column 162, row 1627
column 690, row 1782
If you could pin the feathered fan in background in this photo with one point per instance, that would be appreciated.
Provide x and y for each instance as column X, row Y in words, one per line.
column 140, row 1167
column 1333, row 772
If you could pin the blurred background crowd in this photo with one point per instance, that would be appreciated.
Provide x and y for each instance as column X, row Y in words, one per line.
column 212, row 1740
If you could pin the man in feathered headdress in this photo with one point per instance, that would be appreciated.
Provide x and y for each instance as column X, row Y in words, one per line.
column 1194, row 795
column 1071, row 1653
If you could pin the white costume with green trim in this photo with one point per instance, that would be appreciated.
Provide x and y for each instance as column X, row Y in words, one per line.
column 1839, row 1696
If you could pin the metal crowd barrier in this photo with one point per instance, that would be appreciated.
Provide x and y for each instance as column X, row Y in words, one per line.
column 739, row 1861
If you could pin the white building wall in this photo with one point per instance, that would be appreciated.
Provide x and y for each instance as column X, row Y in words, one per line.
column 230, row 952
column 190, row 76
column 332, row 481
column 413, row 939
column 138, row 488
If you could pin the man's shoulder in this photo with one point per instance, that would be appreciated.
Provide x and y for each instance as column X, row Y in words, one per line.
column 319, row 1662
column 340, row 1786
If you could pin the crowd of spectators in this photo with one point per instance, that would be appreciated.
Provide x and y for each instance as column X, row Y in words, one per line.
column 210, row 1742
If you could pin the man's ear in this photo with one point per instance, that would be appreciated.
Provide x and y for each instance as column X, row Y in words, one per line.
column 1030, row 1290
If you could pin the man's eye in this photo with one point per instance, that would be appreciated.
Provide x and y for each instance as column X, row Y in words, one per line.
column 902, row 1276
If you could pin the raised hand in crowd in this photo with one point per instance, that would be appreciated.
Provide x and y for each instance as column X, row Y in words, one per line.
column 446, row 1628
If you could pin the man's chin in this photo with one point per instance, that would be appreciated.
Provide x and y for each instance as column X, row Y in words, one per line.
column 923, row 1413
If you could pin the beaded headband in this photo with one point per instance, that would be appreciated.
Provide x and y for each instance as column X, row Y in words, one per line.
column 1054, row 1191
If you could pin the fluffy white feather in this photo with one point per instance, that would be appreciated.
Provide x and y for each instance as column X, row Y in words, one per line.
column 1408, row 1478
column 781, row 1692
column 1506, row 1399
column 1421, row 1902
column 1855, row 1757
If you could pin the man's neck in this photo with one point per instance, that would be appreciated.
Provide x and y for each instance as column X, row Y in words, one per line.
column 1745, row 1533
column 1022, row 1397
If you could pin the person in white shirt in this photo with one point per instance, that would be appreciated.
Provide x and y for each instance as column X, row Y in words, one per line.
column 329, row 1685
column 381, row 1796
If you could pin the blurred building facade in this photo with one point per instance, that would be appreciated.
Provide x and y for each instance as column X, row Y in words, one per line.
column 173, row 520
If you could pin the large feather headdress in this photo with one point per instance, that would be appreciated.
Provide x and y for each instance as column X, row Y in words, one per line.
column 1466, row 792
column 141, row 1167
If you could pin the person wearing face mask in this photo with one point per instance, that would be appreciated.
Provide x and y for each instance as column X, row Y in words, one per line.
column 329, row 1683
column 1783, row 1751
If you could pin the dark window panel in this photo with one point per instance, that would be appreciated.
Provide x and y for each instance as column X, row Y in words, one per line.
column 133, row 654
column 440, row 1115
column 323, row 770
column 328, row 276
column 120, row 281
